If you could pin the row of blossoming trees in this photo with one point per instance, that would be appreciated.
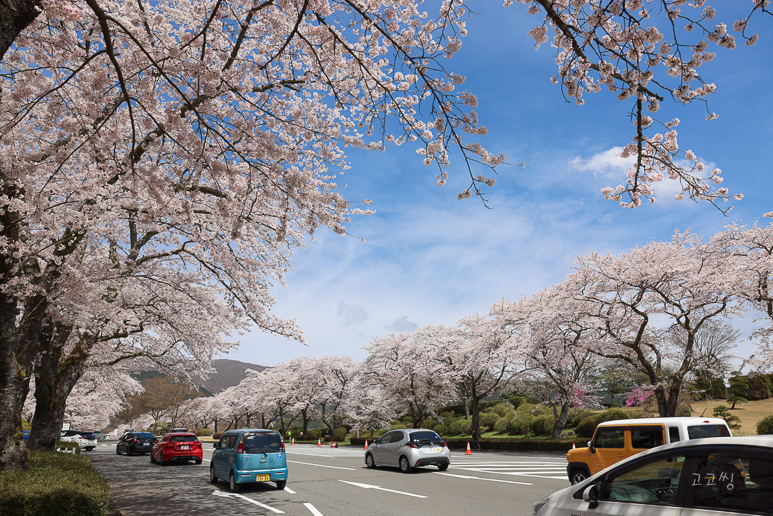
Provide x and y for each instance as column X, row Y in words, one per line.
column 645, row 308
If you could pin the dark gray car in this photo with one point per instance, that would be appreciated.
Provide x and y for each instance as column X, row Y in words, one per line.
column 408, row 449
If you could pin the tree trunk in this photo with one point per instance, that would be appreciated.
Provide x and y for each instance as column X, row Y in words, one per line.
column 55, row 378
column 15, row 16
column 559, row 420
column 475, row 406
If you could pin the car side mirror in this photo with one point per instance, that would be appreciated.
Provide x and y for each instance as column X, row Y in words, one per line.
column 591, row 495
column 592, row 447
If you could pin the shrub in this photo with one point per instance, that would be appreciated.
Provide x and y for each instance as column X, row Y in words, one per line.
column 430, row 424
column 56, row 484
column 217, row 435
column 204, row 432
column 543, row 425
column 683, row 410
column 739, row 386
column 501, row 425
column 576, row 415
column 765, row 426
column 446, row 415
column 315, row 434
column 441, row 430
column 588, row 425
column 489, row 419
column 733, row 421
column 456, row 427
column 407, row 419
column 341, row 432
column 502, row 409
column 759, row 387
column 397, row 426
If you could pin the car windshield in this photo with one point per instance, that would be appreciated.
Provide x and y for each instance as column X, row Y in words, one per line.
column 699, row 432
column 182, row 438
column 262, row 442
column 425, row 437
column 144, row 435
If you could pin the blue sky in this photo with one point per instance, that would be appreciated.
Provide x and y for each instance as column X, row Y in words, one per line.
column 429, row 258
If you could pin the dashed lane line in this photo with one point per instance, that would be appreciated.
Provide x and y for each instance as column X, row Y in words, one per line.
column 486, row 479
column 320, row 465
column 289, row 490
column 312, row 509
column 247, row 498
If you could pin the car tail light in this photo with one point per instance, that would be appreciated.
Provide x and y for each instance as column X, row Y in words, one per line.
column 414, row 445
column 283, row 446
column 445, row 444
column 240, row 448
column 155, row 441
column 135, row 441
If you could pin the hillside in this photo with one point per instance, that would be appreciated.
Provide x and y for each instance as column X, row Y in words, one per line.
column 229, row 373
column 750, row 413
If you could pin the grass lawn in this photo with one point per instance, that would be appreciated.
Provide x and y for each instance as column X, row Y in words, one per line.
column 750, row 413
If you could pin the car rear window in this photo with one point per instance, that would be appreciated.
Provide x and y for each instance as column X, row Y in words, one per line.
column 425, row 436
column 262, row 442
column 144, row 435
column 699, row 432
column 182, row 438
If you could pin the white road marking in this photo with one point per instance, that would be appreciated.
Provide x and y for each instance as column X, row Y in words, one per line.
column 289, row 490
column 321, row 465
column 368, row 486
column 235, row 495
column 487, row 479
column 313, row 509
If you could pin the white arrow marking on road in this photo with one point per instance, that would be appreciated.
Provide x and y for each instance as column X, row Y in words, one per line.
column 220, row 493
column 313, row 509
column 320, row 465
column 368, row 486
column 489, row 479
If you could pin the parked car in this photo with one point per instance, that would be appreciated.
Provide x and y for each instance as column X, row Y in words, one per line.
column 178, row 447
column 253, row 455
column 720, row 476
column 613, row 441
column 135, row 442
column 98, row 435
column 86, row 440
column 408, row 449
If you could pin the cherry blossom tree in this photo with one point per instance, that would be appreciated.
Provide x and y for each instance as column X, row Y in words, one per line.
column 646, row 53
column 160, row 161
column 408, row 369
column 337, row 378
column 751, row 250
column 649, row 304
column 557, row 362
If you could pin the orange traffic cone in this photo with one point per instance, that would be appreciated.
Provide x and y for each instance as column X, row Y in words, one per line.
column 319, row 442
column 468, row 449
column 573, row 446
column 366, row 444
column 292, row 441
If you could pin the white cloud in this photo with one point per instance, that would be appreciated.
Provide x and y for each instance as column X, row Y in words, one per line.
column 351, row 314
column 607, row 164
column 402, row 325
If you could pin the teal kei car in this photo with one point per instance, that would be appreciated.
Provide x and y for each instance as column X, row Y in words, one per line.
column 253, row 455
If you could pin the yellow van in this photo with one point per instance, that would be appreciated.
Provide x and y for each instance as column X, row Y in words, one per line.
column 614, row 441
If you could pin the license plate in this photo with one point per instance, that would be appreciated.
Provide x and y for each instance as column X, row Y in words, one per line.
column 185, row 447
column 262, row 478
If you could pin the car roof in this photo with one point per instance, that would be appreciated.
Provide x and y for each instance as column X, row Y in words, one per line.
column 658, row 420
column 181, row 433
column 238, row 430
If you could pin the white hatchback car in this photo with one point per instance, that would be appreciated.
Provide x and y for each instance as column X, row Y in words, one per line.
column 703, row 477
column 85, row 440
column 408, row 449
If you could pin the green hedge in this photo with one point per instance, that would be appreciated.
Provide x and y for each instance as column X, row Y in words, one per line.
column 544, row 445
column 56, row 484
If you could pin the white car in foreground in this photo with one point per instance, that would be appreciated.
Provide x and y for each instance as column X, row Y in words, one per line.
column 703, row 477
column 85, row 440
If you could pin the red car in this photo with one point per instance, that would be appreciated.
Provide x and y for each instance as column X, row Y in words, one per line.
column 177, row 446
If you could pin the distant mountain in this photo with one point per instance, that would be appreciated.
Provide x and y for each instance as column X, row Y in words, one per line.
column 228, row 373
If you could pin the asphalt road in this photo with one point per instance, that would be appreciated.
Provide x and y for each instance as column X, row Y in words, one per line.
column 328, row 481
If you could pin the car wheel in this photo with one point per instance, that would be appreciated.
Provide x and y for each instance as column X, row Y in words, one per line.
column 212, row 476
column 369, row 462
column 442, row 467
column 89, row 448
column 232, row 485
column 280, row 484
column 152, row 460
column 129, row 452
column 405, row 466
column 162, row 461
column 117, row 451
column 577, row 475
